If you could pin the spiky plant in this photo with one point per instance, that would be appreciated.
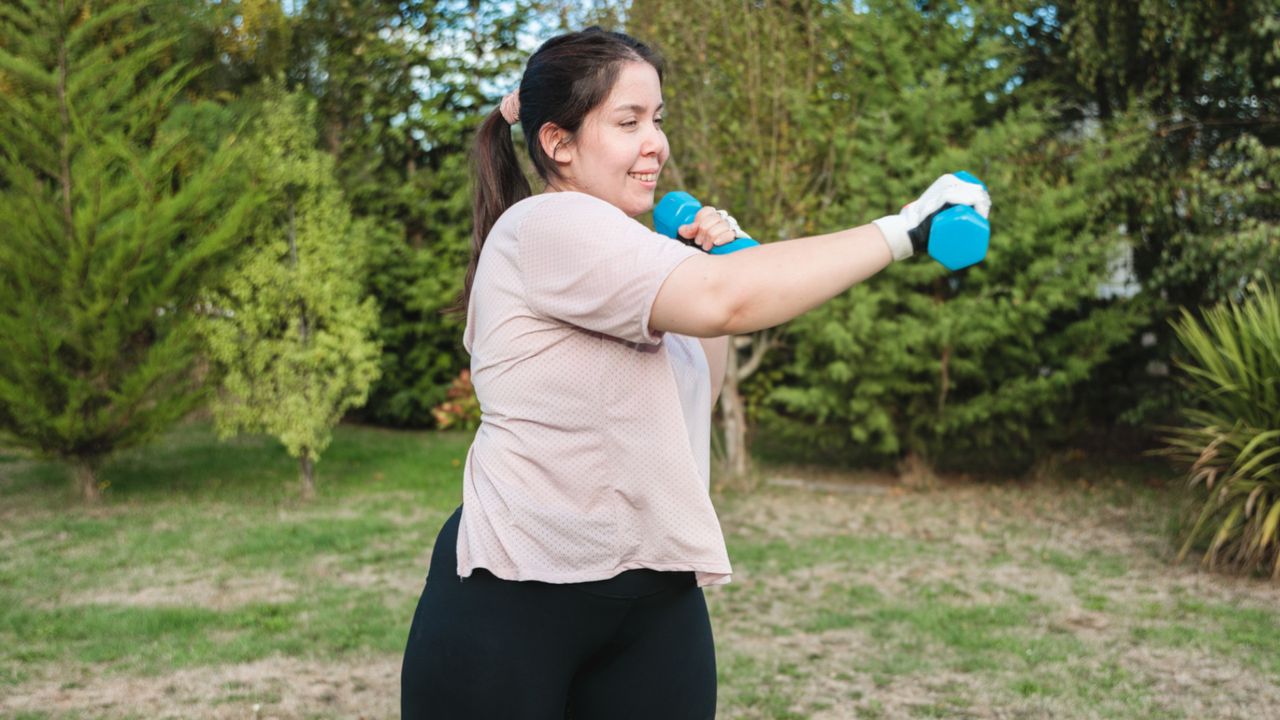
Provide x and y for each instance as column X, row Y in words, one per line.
column 1232, row 440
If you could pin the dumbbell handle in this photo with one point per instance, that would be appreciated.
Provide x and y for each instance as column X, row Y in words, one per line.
column 678, row 208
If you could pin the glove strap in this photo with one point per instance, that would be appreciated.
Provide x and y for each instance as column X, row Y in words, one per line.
column 894, row 229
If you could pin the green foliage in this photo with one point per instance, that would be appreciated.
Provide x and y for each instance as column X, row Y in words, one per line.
column 289, row 329
column 1191, row 90
column 113, row 219
column 837, row 117
column 1232, row 442
column 400, row 88
column 1136, row 135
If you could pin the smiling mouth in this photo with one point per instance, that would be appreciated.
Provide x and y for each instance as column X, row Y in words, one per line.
column 645, row 177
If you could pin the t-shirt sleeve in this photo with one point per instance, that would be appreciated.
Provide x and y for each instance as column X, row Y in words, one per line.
column 584, row 262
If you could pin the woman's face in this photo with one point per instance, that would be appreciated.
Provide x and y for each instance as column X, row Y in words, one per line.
column 620, row 148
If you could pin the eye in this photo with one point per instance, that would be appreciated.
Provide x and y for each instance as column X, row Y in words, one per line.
column 629, row 123
column 658, row 120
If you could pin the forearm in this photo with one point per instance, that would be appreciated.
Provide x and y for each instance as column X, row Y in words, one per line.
column 771, row 284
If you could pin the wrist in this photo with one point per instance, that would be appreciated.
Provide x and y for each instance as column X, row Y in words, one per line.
column 894, row 230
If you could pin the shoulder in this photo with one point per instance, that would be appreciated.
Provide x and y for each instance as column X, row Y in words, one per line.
column 560, row 217
column 571, row 205
column 573, row 198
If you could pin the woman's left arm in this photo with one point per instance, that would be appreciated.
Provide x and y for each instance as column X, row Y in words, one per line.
column 717, row 352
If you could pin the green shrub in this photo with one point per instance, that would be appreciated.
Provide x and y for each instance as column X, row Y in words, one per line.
column 1232, row 441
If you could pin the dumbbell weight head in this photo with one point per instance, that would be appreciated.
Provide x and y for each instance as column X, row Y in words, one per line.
column 957, row 235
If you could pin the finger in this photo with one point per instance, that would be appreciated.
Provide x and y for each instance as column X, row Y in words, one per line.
column 688, row 232
column 963, row 192
column 969, row 194
column 983, row 206
column 718, row 233
column 704, row 238
column 722, row 232
column 733, row 224
column 704, row 220
column 706, row 215
column 944, row 184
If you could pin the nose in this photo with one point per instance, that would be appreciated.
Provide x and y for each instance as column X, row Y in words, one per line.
column 654, row 141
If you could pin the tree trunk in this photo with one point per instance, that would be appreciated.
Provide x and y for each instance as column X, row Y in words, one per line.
column 85, row 474
column 732, row 408
column 915, row 472
column 734, row 415
column 307, row 471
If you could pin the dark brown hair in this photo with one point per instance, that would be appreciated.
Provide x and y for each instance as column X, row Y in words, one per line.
column 564, row 81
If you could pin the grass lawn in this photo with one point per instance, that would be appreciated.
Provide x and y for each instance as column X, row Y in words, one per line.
column 201, row 587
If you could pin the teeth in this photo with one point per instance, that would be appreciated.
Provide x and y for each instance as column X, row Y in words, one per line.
column 648, row 177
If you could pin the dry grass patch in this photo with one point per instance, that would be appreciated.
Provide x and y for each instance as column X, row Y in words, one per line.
column 276, row 687
column 1028, row 600
column 152, row 587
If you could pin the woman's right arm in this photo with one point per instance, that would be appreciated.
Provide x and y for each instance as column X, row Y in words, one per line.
column 760, row 287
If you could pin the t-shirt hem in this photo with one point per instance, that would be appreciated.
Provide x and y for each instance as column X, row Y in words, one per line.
column 706, row 575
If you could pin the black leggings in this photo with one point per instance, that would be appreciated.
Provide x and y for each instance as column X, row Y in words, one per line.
column 637, row 645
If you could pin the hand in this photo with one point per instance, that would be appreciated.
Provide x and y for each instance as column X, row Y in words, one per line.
column 710, row 228
column 903, row 231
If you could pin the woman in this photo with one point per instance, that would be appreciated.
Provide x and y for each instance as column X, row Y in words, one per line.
column 569, row 582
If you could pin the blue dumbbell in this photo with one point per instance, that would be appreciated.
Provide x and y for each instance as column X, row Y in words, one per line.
column 956, row 236
column 678, row 208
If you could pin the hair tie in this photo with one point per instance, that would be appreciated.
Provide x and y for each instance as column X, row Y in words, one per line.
column 510, row 107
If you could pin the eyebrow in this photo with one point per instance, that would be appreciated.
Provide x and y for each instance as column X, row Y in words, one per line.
column 638, row 108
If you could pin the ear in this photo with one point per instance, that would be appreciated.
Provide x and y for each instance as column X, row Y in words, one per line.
column 555, row 143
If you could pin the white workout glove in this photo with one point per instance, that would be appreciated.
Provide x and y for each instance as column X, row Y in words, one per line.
column 946, row 190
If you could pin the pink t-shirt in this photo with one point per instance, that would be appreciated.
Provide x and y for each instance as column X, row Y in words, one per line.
column 592, row 456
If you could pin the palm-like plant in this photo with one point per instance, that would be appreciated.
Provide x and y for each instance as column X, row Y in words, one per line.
column 1232, row 441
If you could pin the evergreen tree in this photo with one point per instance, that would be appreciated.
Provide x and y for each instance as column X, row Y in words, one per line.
column 400, row 88
column 289, row 329
column 748, row 134
column 823, row 116
column 1189, row 94
column 982, row 368
column 112, row 222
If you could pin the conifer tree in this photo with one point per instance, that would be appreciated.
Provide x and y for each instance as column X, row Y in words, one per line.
column 747, row 135
column 111, row 224
column 289, row 329
column 401, row 86
column 1191, row 90
column 822, row 116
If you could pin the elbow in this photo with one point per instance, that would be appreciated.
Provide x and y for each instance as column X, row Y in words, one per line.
column 726, row 306
column 711, row 309
column 732, row 314
column 698, row 299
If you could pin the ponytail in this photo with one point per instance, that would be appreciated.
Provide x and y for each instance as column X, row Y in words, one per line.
column 565, row 79
column 497, row 184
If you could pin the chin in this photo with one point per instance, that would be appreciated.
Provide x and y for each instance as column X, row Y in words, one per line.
column 639, row 207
